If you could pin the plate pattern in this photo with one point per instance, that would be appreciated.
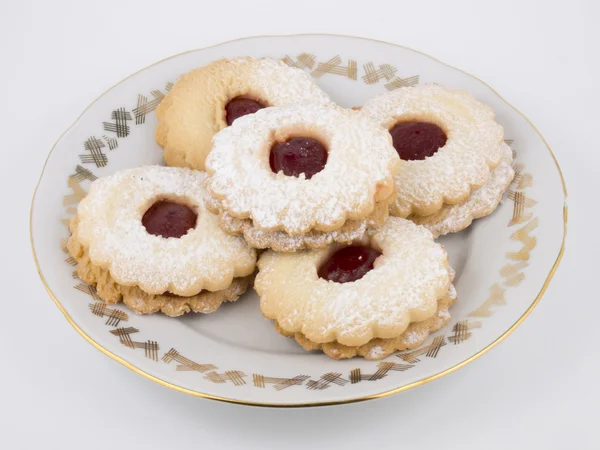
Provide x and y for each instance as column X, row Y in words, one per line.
column 119, row 126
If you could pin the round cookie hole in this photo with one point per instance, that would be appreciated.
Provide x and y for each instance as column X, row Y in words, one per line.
column 349, row 264
column 298, row 155
column 169, row 219
column 241, row 106
column 417, row 140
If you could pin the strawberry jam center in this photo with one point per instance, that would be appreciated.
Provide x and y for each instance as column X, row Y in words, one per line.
column 169, row 220
column 417, row 140
column 298, row 155
column 241, row 106
column 349, row 264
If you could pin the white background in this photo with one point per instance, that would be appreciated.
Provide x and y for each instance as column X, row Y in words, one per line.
column 538, row 389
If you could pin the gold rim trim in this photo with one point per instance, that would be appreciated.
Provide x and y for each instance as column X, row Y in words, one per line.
column 307, row 404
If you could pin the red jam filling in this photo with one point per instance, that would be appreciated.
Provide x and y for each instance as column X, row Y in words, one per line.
column 241, row 106
column 349, row 264
column 169, row 220
column 417, row 140
column 298, row 155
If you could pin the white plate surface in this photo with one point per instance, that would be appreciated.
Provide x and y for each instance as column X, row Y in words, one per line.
column 504, row 262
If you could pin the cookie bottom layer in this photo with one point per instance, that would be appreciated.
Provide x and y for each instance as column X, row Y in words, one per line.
column 413, row 336
column 314, row 239
column 204, row 302
column 143, row 303
column 482, row 202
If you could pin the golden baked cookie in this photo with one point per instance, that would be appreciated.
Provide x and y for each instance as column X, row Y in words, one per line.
column 483, row 201
column 356, row 295
column 449, row 142
column 280, row 241
column 414, row 336
column 145, row 237
column 210, row 98
column 301, row 176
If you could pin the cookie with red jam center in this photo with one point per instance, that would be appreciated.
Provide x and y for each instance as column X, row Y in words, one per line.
column 144, row 236
column 301, row 176
column 361, row 299
column 450, row 145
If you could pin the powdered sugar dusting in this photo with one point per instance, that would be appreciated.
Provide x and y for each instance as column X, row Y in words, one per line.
column 483, row 201
column 204, row 302
column 376, row 352
column 279, row 84
column 283, row 242
column 109, row 225
column 414, row 336
column 194, row 110
column 358, row 174
column 463, row 164
column 408, row 279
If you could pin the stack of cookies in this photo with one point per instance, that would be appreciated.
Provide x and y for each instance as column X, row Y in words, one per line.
column 345, row 203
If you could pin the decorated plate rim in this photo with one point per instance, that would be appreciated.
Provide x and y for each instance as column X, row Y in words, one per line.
column 317, row 403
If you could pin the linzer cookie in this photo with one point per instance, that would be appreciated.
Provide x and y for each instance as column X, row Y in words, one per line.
column 145, row 237
column 383, row 293
column 457, row 165
column 208, row 99
column 301, row 176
